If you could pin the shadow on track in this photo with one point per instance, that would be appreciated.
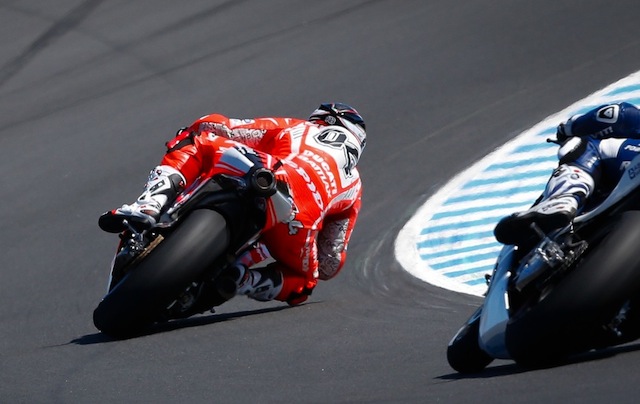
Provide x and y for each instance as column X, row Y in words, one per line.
column 99, row 338
column 513, row 368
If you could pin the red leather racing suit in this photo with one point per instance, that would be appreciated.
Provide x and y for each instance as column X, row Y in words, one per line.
column 326, row 193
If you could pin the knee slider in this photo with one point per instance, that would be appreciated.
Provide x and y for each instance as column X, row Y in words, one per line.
column 571, row 150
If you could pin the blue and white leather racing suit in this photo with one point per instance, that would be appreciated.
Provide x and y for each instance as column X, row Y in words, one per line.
column 602, row 141
column 595, row 149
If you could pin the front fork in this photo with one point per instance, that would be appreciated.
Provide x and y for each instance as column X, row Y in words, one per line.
column 495, row 309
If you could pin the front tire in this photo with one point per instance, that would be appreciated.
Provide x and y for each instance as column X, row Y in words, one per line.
column 146, row 291
column 464, row 353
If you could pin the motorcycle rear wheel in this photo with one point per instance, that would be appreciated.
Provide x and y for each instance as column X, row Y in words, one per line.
column 146, row 291
column 560, row 323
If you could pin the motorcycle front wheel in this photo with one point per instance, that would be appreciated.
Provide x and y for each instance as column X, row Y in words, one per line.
column 463, row 352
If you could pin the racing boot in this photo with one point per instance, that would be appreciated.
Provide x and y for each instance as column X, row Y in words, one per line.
column 564, row 195
column 162, row 186
column 263, row 285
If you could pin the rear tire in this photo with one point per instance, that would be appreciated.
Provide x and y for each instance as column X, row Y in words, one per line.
column 587, row 298
column 146, row 291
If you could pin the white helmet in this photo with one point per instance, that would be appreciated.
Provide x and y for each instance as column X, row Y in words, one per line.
column 346, row 116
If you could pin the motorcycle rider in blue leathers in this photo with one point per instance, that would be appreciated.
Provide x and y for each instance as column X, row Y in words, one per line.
column 595, row 149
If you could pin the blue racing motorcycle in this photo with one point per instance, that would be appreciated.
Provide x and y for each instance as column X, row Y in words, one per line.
column 570, row 291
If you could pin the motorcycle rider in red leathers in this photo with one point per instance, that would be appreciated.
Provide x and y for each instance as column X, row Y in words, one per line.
column 316, row 159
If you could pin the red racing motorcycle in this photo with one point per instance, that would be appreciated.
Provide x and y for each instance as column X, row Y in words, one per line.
column 173, row 269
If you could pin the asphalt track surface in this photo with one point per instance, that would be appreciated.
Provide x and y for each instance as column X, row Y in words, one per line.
column 90, row 91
